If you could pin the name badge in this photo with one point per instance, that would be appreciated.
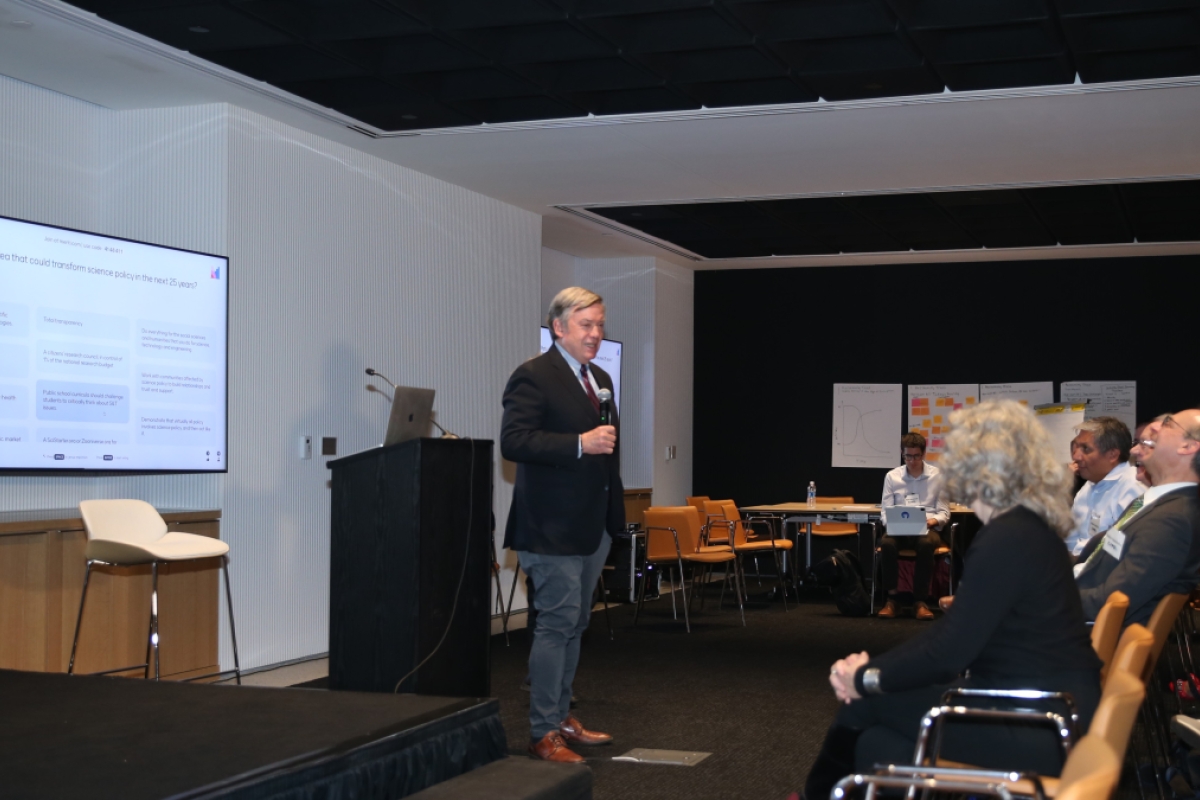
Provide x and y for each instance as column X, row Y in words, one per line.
column 1094, row 525
column 913, row 499
column 1114, row 543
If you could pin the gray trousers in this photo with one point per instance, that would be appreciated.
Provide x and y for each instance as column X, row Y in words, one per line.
column 562, row 595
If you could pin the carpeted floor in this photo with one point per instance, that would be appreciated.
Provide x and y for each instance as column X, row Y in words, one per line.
column 757, row 697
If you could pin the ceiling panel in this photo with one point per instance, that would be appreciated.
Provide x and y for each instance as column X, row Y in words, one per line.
column 1163, row 211
column 483, row 60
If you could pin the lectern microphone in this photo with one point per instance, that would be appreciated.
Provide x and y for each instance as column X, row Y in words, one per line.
column 605, row 398
column 374, row 374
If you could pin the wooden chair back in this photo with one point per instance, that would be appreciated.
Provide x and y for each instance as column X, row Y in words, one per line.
column 1091, row 772
column 1107, row 629
column 1118, row 710
column 1133, row 653
column 1160, row 625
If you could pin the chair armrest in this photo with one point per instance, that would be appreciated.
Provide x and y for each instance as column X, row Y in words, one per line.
column 1065, row 698
column 932, row 722
column 850, row 783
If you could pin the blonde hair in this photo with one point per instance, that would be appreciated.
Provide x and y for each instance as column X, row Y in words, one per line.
column 998, row 452
column 566, row 303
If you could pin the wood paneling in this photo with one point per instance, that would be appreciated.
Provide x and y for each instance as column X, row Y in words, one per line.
column 636, row 503
column 42, row 567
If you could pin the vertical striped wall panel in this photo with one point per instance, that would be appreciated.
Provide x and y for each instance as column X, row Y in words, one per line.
column 48, row 156
column 673, row 382
column 627, row 286
column 340, row 261
column 49, row 163
column 163, row 180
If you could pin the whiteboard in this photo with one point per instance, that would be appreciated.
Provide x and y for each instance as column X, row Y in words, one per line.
column 867, row 424
column 1104, row 398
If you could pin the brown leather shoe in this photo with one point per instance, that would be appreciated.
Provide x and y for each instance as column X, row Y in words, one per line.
column 888, row 611
column 551, row 747
column 573, row 731
column 944, row 603
column 923, row 611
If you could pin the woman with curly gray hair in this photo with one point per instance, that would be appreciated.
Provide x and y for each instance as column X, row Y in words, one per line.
column 1016, row 622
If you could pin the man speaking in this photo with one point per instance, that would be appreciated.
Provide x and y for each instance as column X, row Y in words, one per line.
column 567, row 502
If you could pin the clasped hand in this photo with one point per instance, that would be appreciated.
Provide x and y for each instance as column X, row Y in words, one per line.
column 599, row 441
column 841, row 676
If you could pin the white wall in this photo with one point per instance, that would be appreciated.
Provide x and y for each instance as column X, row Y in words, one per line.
column 674, row 291
column 338, row 261
column 648, row 303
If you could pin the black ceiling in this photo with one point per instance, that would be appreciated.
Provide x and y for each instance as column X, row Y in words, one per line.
column 412, row 64
column 1164, row 211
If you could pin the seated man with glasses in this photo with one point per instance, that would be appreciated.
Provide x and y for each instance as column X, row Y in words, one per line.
column 914, row 484
column 1154, row 548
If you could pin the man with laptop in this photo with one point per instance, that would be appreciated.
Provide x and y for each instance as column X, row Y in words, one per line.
column 914, row 510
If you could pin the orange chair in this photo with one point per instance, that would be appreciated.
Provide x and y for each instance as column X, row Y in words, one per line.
column 1107, row 629
column 673, row 538
column 725, row 513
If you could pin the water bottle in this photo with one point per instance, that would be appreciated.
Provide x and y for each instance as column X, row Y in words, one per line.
column 812, row 494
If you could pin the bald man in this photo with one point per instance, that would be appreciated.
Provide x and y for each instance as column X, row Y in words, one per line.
column 1154, row 548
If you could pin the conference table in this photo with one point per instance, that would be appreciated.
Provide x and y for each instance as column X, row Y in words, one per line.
column 805, row 516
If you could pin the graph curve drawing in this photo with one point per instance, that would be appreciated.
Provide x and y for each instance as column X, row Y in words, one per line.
column 866, row 425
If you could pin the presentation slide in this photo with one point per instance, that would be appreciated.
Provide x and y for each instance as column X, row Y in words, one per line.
column 608, row 359
column 112, row 353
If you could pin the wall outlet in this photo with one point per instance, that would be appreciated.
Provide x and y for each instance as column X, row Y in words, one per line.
column 670, row 452
column 305, row 447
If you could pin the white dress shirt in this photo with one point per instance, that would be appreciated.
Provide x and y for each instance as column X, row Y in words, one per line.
column 925, row 490
column 1099, row 505
column 575, row 366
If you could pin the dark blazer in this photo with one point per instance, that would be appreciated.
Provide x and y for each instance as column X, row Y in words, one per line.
column 562, row 502
column 1161, row 556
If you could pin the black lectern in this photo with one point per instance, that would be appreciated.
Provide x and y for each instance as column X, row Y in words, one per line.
column 407, row 520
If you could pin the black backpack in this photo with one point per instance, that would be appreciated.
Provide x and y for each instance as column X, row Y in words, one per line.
column 842, row 573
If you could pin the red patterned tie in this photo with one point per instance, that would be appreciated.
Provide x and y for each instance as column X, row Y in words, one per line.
column 587, row 384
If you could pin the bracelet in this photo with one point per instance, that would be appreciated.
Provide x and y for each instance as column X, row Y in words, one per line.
column 870, row 681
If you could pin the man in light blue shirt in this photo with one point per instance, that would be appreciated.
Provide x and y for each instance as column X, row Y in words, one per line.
column 1100, row 452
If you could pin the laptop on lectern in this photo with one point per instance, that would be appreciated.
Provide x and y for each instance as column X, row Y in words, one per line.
column 905, row 520
column 411, row 411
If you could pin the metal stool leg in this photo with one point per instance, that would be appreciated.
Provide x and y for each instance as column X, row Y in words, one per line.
column 153, row 618
column 237, row 665
column 79, row 618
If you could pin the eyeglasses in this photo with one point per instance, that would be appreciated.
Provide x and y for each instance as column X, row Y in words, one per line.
column 913, row 456
column 1149, row 444
column 1169, row 420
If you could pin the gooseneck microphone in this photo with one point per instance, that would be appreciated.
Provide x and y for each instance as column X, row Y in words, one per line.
column 605, row 398
column 374, row 373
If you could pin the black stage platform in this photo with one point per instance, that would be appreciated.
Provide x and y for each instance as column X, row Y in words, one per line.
column 100, row 737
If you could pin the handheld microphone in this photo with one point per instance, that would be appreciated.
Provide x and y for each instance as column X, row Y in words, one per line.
column 374, row 373
column 605, row 398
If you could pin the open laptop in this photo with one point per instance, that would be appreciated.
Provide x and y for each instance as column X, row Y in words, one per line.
column 411, row 412
column 905, row 520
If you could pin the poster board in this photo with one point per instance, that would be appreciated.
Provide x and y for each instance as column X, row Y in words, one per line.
column 1060, row 421
column 929, row 408
column 1104, row 398
column 1027, row 394
column 866, row 424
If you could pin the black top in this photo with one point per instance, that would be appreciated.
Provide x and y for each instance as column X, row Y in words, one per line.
column 1016, row 621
